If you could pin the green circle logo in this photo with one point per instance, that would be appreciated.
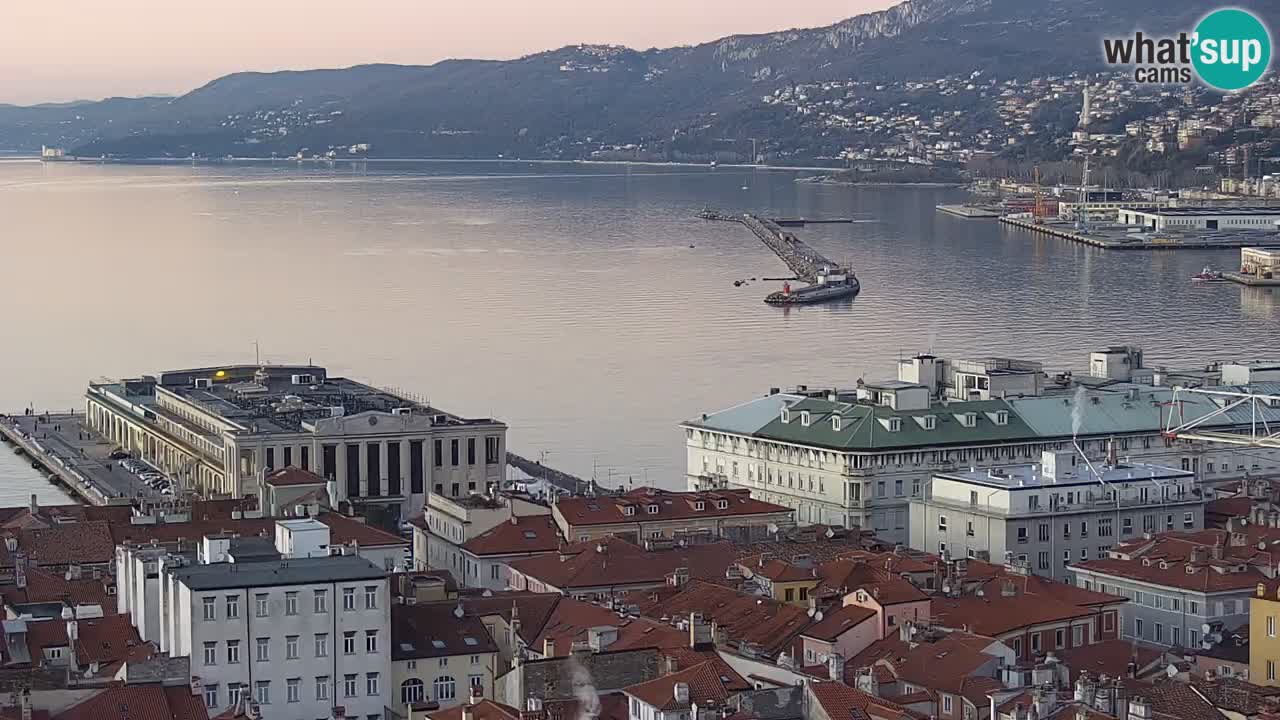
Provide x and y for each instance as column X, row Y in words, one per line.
column 1232, row 49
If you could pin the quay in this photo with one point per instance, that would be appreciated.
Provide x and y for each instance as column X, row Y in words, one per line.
column 805, row 262
column 801, row 222
column 569, row 483
column 72, row 456
column 1251, row 280
column 969, row 211
column 1121, row 237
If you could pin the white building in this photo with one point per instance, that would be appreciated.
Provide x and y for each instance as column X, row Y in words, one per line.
column 1050, row 515
column 857, row 458
column 296, row 630
column 1202, row 218
column 449, row 523
column 217, row 430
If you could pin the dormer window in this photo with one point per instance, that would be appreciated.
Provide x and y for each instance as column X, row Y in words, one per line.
column 699, row 506
column 804, row 418
column 968, row 419
column 895, row 424
column 786, row 415
column 628, row 510
column 1002, row 417
column 653, row 509
column 930, row 422
column 722, row 504
column 835, row 423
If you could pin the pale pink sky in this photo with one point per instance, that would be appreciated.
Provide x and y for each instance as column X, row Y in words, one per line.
column 69, row 49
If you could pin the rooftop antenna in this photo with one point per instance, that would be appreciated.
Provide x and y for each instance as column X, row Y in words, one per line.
column 257, row 359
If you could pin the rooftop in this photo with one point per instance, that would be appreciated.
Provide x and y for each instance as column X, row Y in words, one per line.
column 612, row 561
column 705, row 681
column 297, row 571
column 655, row 504
column 521, row 535
column 440, row 629
column 744, row 618
column 1217, row 210
column 839, row 621
column 1013, row 477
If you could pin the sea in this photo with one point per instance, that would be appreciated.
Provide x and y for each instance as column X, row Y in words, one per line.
column 583, row 304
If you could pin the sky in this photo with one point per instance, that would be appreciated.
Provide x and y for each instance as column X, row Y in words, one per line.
column 57, row 50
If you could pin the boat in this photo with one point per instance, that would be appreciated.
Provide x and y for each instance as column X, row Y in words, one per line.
column 1209, row 275
column 832, row 284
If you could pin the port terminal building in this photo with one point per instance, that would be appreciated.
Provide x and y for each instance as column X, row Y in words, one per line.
column 219, row 430
column 1202, row 218
column 857, row 457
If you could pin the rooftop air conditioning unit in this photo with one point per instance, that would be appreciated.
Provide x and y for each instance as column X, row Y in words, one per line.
column 204, row 382
column 337, row 411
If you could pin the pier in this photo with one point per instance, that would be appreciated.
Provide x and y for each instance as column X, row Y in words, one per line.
column 1120, row 237
column 805, row 262
column 970, row 211
column 801, row 222
column 72, row 456
column 569, row 483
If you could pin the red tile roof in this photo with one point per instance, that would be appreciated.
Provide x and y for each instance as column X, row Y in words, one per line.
column 586, row 511
column 706, row 687
column 45, row 586
column 846, row 575
column 838, row 700
column 1110, row 657
column 612, row 561
column 138, row 702
column 838, row 622
column 780, row 571
column 526, row 534
column 995, row 614
column 744, row 618
column 948, row 663
column 1172, row 700
column 438, row 629
column 484, row 710
column 1036, row 586
column 292, row 476
column 106, row 640
column 1211, row 576
column 571, row 619
column 85, row 543
column 532, row 609
column 342, row 530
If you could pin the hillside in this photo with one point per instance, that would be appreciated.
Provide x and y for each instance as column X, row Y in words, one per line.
column 673, row 103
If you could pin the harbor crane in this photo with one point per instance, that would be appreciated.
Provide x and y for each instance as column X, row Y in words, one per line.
column 1260, row 410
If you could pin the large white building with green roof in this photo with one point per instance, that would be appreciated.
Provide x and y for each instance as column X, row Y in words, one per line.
column 857, row 458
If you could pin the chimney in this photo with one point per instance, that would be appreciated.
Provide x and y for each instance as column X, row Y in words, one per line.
column 468, row 713
column 20, row 571
column 548, row 647
column 1139, row 709
column 26, row 700
column 34, row 507
column 669, row 665
column 73, row 637
column 835, row 667
column 533, row 710
column 681, row 692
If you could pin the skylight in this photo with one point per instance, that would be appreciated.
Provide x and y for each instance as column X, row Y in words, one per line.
column 437, row 644
column 470, row 641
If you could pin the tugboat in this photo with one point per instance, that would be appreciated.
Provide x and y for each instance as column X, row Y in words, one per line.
column 1208, row 275
column 833, row 283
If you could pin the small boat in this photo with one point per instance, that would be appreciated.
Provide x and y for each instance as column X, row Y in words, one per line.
column 1208, row 275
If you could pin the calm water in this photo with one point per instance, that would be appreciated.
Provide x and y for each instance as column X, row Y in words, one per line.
column 564, row 299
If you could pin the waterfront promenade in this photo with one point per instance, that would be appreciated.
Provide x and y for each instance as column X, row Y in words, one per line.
column 77, row 458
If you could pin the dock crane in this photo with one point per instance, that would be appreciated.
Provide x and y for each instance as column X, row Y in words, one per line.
column 1263, row 411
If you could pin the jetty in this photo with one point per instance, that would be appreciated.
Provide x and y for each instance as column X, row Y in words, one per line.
column 71, row 457
column 569, row 483
column 1123, row 237
column 970, row 211
column 803, row 261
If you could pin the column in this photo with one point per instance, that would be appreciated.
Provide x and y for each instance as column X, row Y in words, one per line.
column 383, row 468
column 340, row 471
column 364, row 469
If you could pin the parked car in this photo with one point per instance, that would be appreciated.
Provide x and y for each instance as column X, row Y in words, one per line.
column 119, row 454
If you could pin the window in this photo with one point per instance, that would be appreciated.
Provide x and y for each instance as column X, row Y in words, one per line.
column 1159, row 632
column 291, row 603
column 475, row 659
column 1188, row 520
column 349, row 687
column 210, row 608
column 443, row 689
column 349, row 642
column 371, row 641
column 348, row 598
column 1271, row 626
column 211, row 652
column 491, row 450
column 370, row 597
column 1077, row 635
column 946, row 704
column 233, row 607
column 1194, row 636
column 942, row 523
column 371, row 683
column 412, row 691
column 790, row 594
column 1176, row 635
column 233, row 693
column 291, row 647
column 1022, row 534
column 1035, row 642
column 475, row 681
column 968, row 528
column 211, row 696
column 1066, row 530
column 1042, row 532
column 1084, row 528
column 292, row 686
column 322, row 687
column 1066, row 557
column 263, row 691
column 471, row 451
column 1043, row 560
column 1193, row 606
column 233, row 652
column 1104, row 527
column 264, row 649
column 322, row 601
column 1126, row 526
column 263, row 606
column 439, row 453
column 1271, row 669
column 897, row 488
column 493, row 572
column 453, row 452
column 1137, row 627
column 1060, row 638
column 322, row 645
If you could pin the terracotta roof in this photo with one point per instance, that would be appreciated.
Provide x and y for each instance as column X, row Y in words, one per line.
column 526, row 534
column 994, row 614
column 745, row 618
column 1229, row 507
column 1172, row 700
column 86, row 543
column 847, row 575
column 428, row 630
column 686, row 657
column 1111, row 657
column 342, row 530
column 838, row 699
column 533, row 609
column 1235, row 695
column 571, row 619
column 817, row 543
column 106, row 640
column 138, row 702
column 780, row 571
column 291, row 476
column 612, row 561
column 44, row 586
column 1210, row 576
column 948, row 663
column 839, row 621
column 1036, row 586
column 586, row 511
column 1071, row 711
column 706, row 687
column 484, row 710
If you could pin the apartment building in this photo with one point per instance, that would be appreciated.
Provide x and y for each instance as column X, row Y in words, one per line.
column 218, row 429
column 441, row 655
column 284, row 625
column 449, row 523
column 648, row 513
column 1053, row 514
column 858, row 457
